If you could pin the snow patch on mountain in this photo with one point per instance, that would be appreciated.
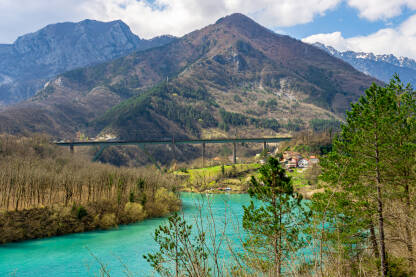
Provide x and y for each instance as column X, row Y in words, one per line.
column 382, row 67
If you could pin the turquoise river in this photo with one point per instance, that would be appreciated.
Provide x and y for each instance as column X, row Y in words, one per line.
column 118, row 249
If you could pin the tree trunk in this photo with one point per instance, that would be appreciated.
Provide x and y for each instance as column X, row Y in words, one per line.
column 276, row 245
column 279, row 269
column 279, row 265
column 409, row 237
column 277, row 240
column 374, row 240
column 383, row 258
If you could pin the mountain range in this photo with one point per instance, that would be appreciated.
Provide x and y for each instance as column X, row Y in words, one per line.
column 382, row 67
column 34, row 58
column 233, row 77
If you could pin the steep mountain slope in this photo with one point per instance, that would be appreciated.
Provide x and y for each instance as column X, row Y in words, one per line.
column 232, row 77
column 26, row 64
column 381, row 67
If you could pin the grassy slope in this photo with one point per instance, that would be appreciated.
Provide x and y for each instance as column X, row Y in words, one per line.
column 211, row 179
column 236, row 177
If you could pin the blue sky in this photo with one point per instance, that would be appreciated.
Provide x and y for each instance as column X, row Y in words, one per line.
column 379, row 26
column 345, row 19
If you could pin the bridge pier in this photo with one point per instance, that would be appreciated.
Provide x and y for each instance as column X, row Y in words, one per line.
column 173, row 149
column 264, row 145
column 203, row 154
column 234, row 153
column 71, row 148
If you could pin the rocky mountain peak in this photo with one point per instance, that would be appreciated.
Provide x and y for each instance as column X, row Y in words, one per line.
column 34, row 58
column 236, row 18
column 55, row 38
column 243, row 25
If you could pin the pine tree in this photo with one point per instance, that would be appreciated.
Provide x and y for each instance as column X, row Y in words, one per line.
column 361, row 161
column 180, row 252
column 341, row 227
column 402, row 173
column 275, row 225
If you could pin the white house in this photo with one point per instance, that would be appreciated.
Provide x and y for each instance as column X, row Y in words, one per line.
column 303, row 163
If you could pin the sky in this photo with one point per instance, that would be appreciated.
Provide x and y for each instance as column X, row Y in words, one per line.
column 378, row 26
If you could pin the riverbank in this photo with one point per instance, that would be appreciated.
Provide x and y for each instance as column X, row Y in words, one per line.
column 117, row 248
column 217, row 179
column 235, row 179
column 60, row 220
column 46, row 191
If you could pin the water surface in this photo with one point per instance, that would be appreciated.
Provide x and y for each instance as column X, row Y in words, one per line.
column 73, row 255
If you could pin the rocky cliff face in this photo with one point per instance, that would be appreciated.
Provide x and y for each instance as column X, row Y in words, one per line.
column 34, row 58
column 381, row 67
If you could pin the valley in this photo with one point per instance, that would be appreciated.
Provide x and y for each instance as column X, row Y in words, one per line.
column 229, row 150
column 206, row 80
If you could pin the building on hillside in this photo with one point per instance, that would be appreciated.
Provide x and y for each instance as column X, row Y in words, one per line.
column 292, row 163
column 287, row 155
column 293, row 159
column 303, row 163
column 313, row 160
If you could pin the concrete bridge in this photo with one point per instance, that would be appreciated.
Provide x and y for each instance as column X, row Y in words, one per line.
column 142, row 143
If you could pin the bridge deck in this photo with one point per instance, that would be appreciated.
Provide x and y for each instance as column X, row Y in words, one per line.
column 173, row 141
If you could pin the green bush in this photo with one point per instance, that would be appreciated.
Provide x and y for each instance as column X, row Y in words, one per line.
column 108, row 221
column 134, row 212
column 79, row 211
column 164, row 203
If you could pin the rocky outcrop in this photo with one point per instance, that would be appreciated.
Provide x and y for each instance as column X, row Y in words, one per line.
column 34, row 58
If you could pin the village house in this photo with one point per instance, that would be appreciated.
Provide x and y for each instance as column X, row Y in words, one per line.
column 303, row 163
column 293, row 159
column 313, row 160
column 292, row 163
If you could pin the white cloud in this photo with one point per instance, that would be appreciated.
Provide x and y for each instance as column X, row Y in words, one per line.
column 334, row 39
column 381, row 9
column 150, row 18
column 18, row 17
column 178, row 17
column 399, row 41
